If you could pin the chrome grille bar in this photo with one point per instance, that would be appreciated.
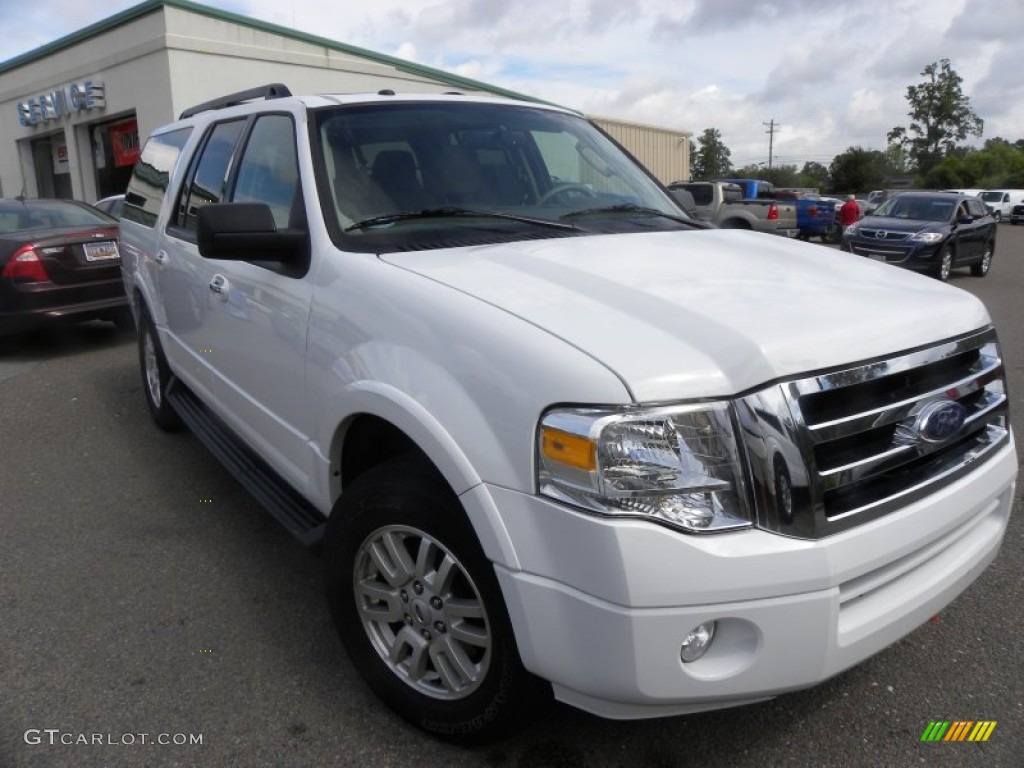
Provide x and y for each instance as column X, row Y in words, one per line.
column 831, row 451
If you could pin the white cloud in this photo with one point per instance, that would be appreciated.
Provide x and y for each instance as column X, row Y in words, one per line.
column 833, row 75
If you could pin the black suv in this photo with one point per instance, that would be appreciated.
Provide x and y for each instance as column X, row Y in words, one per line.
column 932, row 232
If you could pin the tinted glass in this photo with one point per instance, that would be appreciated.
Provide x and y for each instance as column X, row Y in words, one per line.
column 28, row 215
column 208, row 182
column 151, row 176
column 918, row 208
column 268, row 171
column 381, row 160
column 976, row 208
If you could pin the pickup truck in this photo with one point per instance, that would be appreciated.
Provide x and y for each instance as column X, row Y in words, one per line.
column 813, row 218
column 550, row 436
column 722, row 203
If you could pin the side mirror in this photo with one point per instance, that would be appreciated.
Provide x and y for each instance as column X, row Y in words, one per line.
column 245, row 232
column 965, row 219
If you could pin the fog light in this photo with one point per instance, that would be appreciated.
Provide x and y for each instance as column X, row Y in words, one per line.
column 696, row 643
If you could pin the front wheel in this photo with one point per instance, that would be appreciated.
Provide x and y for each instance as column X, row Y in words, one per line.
column 982, row 267
column 945, row 267
column 419, row 610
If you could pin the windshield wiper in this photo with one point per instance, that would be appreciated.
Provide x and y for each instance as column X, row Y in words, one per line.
column 628, row 208
column 452, row 211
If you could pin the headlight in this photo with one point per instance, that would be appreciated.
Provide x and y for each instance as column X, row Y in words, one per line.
column 675, row 465
column 926, row 237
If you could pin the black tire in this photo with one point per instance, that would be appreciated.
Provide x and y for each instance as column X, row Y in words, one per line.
column 783, row 491
column 735, row 224
column 392, row 532
column 832, row 235
column 945, row 265
column 982, row 267
column 124, row 321
column 156, row 376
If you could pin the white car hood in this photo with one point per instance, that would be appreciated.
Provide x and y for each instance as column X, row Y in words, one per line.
column 705, row 313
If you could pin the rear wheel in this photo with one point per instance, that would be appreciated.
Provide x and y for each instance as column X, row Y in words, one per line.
column 982, row 267
column 945, row 267
column 418, row 607
column 156, row 376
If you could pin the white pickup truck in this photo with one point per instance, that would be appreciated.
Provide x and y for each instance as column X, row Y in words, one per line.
column 554, row 437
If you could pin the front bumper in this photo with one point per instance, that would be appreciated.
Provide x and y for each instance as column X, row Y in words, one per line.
column 600, row 606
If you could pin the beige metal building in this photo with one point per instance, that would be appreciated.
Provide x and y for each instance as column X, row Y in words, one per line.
column 664, row 151
column 72, row 112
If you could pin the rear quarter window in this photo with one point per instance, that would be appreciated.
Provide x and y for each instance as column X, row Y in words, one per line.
column 151, row 176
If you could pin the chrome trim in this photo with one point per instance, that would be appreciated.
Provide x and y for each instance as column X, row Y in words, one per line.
column 834, row 450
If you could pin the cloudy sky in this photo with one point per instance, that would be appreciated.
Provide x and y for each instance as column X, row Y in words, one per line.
column 830, row 74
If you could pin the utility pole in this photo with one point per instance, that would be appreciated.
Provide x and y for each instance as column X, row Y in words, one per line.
column 772, row 127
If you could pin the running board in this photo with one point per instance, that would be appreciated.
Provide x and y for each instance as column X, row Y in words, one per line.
column 295, row 513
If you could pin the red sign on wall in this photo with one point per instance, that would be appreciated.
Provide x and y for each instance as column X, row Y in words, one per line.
column 124, row 139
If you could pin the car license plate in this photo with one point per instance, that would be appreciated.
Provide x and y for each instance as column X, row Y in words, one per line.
column 101, row 251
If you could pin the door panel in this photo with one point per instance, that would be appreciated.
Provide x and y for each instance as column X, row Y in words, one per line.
column 258, row 312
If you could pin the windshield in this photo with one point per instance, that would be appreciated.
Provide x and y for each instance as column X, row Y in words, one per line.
column 917, row 208
column 410, row 175
column 992, row 197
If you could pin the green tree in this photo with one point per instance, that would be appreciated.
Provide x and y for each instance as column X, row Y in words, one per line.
column 859, row 170
column 941, row 115
column 711, row 160
column 814, row 174
column 997, row 164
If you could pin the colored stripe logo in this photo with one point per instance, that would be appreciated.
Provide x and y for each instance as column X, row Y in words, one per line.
column 958, row 730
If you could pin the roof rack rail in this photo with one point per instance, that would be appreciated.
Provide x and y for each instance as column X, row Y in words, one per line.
column 269, row 91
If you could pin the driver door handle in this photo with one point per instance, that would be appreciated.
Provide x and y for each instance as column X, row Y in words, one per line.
column 220, row 286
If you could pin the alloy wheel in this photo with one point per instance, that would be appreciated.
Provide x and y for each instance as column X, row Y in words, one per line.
column 422, row 612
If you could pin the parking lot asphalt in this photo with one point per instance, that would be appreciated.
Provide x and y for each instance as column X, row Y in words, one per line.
column 143, row 592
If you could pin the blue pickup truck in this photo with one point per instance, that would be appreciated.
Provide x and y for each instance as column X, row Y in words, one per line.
column 814, row 218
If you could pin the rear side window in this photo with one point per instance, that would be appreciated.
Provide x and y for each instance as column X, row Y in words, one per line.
column 207, row 181
column 151, row 176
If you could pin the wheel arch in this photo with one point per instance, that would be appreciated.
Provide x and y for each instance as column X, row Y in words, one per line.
column 388, row 424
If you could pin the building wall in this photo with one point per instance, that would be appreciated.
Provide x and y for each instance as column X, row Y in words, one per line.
column 663, row 151
column 130, row 61
column 242, row 57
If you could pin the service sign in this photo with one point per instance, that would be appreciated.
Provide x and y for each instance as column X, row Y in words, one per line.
column 67, row 100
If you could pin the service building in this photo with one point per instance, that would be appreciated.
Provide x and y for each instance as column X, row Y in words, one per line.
column 72, row 112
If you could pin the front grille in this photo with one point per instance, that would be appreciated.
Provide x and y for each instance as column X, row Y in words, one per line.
column 884, row 236
column 832, row 451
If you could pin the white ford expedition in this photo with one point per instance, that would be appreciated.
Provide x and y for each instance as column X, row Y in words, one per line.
column 552, row 436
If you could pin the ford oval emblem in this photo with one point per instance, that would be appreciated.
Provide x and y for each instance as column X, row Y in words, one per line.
column 940, row 420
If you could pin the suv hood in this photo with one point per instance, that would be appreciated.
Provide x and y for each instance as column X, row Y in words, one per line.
column 705, row 313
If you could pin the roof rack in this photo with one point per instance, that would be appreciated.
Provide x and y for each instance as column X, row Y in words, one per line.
column 270, row 91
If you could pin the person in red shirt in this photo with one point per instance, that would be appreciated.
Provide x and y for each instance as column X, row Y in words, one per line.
column 849, row 212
